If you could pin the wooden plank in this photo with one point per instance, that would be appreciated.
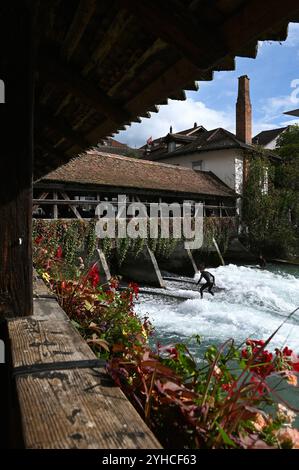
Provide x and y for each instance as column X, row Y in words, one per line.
column 68, row 78
column 16, row 115
column 48, row 309
column 174, row 78
column 65, row 202
column 84, row 12
column 79, row 409
column 41, row 197
column 65, row 403
column 47, row 118
column 45, row 341
column 206, row 45
column 172, row 22
column 55, row 208
column 40, row 289
column 74, row 209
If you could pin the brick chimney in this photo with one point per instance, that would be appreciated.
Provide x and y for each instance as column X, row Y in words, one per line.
column 243, row 112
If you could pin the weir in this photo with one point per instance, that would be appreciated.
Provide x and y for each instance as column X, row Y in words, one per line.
column 143, row 268
column 181, row 261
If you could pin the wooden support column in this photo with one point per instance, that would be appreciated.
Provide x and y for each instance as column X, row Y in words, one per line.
column 16, row 117
column 55, row 207
column 74, row 209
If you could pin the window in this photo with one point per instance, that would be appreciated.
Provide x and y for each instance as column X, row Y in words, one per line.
column 198, row 165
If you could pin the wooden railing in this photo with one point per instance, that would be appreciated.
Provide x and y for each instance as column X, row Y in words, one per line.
column 65, row 397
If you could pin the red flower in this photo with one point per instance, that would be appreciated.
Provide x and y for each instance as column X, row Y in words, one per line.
column 38, row 240
column 94, row 275
column 244, row 353
column 173, row 352
column 58, row 253
column 229, row 387
column 287, row 352
column 135, row 288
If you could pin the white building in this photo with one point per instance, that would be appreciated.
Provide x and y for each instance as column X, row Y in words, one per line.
column 219, row 151
column 268, row 139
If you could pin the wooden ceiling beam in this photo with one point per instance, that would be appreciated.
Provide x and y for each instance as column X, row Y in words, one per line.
column 70, row 79
column 171, row 22
column 174, row 78
column 83, row 14
column 207, row 45
column 59, row 125
column 57, row 157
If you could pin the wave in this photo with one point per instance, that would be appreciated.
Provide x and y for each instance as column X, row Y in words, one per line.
column 252, row 303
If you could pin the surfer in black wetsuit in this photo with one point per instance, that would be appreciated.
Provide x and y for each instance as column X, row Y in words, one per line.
column 210, row 281
column 261, row 261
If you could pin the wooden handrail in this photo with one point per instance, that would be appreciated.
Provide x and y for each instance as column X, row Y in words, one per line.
column 66, row 398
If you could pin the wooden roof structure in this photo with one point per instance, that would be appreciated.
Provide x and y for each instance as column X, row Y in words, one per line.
column 102, row 65
column 95, row 168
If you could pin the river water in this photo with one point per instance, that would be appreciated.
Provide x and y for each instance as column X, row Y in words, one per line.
column 249, row 302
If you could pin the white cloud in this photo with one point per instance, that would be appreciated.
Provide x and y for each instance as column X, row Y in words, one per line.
column 272, row 117
column 180, row 115
column 278, row 104
column 274, row 107
column 290, row 122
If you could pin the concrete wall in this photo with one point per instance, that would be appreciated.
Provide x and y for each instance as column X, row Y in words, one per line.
column 180, row 262
column 142, row 269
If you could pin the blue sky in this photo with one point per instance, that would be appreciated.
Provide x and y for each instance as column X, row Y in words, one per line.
column 274, row 88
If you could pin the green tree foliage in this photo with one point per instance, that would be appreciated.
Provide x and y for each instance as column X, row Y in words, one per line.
column 287, row 174
column 271, row 216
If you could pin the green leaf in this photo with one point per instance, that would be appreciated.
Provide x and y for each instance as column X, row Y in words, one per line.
column 76, row 324
column 226, row 439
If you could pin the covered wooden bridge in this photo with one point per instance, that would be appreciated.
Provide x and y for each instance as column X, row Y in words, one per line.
column 73, row 72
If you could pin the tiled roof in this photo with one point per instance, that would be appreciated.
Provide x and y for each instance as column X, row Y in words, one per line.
column 216, row 139
column 97, row 168
column 265, row 137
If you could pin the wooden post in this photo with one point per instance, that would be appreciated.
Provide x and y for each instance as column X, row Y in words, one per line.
column 219, row 252
column 16, row 71
column 74, row 209
column 55, row 207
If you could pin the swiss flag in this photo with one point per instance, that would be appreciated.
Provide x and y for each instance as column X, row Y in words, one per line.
column 149, row 140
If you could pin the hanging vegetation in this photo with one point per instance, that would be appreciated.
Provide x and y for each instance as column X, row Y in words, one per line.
column 78, row 238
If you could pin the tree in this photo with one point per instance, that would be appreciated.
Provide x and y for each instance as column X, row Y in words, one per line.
column 271, row 216
column 287, row 175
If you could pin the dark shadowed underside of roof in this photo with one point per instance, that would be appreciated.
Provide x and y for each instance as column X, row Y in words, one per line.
column 104, row 64
column 102, row 169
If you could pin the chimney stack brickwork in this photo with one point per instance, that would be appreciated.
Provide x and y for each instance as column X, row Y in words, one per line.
column 243, row 111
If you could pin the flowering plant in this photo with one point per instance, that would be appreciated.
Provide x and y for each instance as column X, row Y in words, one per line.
column 219, row 402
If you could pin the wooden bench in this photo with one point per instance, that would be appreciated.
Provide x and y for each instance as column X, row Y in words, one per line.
column 66, row 399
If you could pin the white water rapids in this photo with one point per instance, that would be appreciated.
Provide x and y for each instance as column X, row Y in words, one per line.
column 251, row 303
